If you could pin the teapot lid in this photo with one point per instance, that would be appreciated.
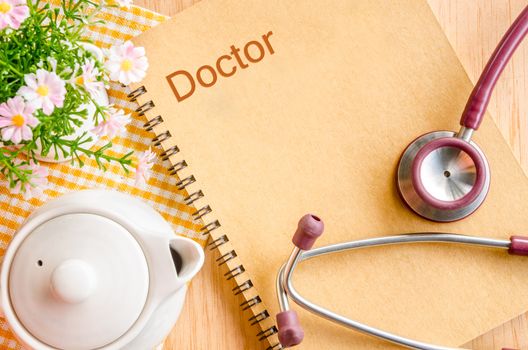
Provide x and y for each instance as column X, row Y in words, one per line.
column 78, row 281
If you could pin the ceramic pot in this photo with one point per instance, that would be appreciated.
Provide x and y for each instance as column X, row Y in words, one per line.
column 96, row 270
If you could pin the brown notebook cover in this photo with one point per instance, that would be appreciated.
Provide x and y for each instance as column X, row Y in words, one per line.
column 285, row 107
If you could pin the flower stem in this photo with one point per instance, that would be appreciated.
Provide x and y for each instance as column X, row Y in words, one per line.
column 98, row 154
column 99, row 110
column 12, row 69
column 7, row 162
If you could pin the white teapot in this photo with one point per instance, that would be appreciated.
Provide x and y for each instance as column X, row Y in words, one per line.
column 96, row 270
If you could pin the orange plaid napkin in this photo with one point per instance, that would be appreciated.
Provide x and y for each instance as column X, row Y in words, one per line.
column 160, row 191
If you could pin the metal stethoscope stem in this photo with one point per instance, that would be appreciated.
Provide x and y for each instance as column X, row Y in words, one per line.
column 286, row 289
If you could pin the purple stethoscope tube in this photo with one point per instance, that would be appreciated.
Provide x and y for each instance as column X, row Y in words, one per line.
column 480, row 96
column 442, row 176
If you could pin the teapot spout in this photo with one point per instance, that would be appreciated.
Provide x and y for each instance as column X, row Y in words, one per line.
column 188, row 258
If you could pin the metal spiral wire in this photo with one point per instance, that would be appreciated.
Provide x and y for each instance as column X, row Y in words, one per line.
column 200, row 214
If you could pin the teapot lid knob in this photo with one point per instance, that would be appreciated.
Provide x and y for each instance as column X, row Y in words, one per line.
column 73, row 281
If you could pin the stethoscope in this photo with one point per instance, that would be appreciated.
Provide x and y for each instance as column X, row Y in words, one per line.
column 442, row 176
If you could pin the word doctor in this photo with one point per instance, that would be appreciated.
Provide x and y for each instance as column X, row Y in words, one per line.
column 183, row 83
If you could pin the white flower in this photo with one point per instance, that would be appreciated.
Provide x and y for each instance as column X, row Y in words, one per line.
column 16, row 120
column 145, row 163
column 124, row 3
column 44, row 90
column 88, row 78
column 114, row 124
column 126, row 63
column 13, row 13
column 66, row 44
column 37, row 180
column 51, row 61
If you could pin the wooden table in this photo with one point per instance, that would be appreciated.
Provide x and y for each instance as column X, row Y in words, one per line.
column 211, row 319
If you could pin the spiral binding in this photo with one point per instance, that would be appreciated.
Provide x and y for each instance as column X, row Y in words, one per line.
column 226, row 257
column 240, row 269
column 209, row 227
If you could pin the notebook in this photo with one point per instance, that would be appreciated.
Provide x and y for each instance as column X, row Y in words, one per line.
column 271, row 109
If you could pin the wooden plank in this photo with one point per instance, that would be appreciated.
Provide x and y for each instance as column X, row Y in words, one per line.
column 474, row 28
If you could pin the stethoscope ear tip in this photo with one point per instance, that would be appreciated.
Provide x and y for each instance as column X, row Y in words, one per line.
column 309, row 228
column 290, row 330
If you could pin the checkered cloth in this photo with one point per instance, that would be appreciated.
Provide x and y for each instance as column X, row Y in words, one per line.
column 160, row 191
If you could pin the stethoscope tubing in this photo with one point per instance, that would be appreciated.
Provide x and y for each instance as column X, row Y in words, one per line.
column 480, row 96
column 286, row 289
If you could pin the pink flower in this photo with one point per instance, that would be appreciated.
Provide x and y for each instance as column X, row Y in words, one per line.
column 88, row 78
column 37, row 180
column 13, row 13
column 145, row 162
column 43, row 90
column 126, row 63
column 114, row 124
column 16, row 120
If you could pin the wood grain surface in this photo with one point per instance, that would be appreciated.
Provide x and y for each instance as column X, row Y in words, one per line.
column 210, row 319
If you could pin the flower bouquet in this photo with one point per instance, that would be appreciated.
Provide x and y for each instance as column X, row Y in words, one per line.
column 53, row 103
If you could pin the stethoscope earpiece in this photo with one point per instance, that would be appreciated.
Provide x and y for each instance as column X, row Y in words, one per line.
column 290, row 330
column 310, row 228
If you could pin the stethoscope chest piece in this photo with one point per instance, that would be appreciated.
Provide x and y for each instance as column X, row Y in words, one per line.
column 443, row 177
